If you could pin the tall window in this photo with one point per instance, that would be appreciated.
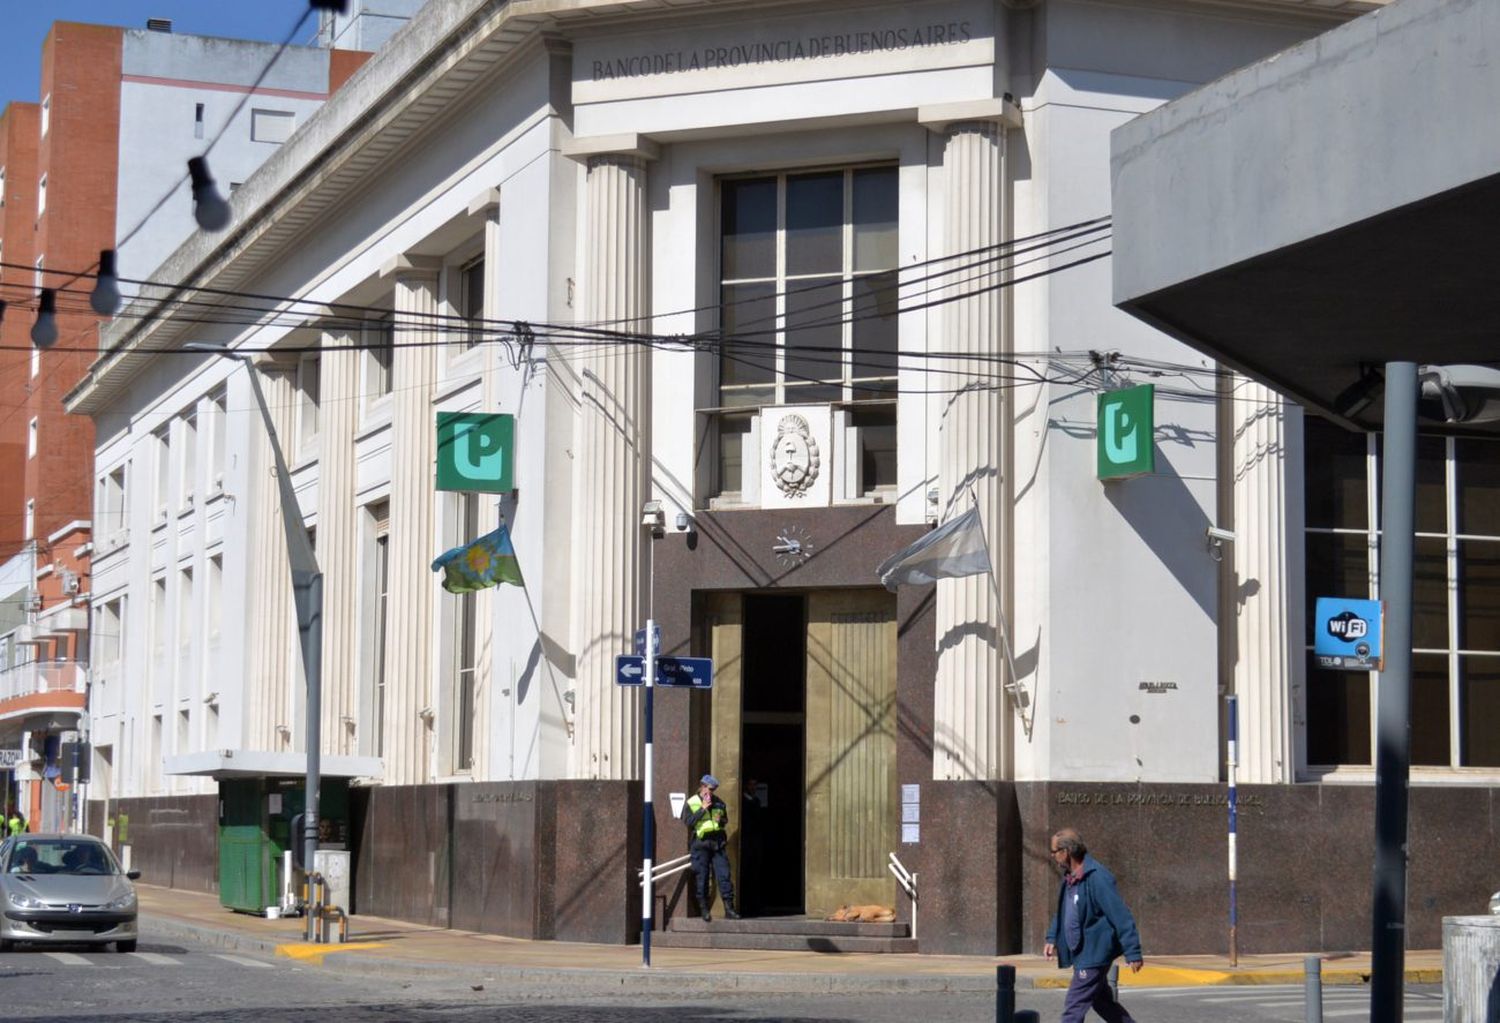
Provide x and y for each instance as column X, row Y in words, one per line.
column 162, row 437
column 380, row 353
column 46, row 113
column 1456, row 595
column 112, row 503
column 31, row 438
column 41, row 195
column 471, row 300
column 309, row 400
column 29, row 526
column 465, row 644
column 380, row 579
column 808, row 301
column 219, row 403
column 189, row 444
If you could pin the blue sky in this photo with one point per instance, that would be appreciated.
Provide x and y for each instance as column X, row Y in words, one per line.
column 27, row 21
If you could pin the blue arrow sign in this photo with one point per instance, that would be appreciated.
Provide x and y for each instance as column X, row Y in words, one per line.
column 630, row 671
column 640, row 641
column 687, row 672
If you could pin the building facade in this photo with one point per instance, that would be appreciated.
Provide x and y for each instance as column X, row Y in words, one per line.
column 89, row 167
column 769, row 290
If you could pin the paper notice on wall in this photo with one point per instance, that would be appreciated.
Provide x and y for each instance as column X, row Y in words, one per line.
column 679, row 800
column 911, row 813
column 910, row 834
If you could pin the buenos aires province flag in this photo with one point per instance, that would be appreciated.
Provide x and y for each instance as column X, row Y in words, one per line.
column 488, row 561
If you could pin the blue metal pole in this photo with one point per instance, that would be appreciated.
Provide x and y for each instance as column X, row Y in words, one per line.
column 1393, row 732
column 1233, row 710
column 648, row 831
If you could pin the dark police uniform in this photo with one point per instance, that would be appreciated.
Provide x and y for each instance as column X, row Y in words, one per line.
column 709, row 827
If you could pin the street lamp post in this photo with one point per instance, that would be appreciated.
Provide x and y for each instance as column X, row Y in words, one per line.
column 307, row 594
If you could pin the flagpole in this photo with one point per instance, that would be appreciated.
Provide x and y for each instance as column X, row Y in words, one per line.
column 1014, row 686
column 541, row 646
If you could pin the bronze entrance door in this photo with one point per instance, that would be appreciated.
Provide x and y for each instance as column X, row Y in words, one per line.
column 804, row 705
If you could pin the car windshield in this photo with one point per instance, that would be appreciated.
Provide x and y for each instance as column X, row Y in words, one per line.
column 60, row 856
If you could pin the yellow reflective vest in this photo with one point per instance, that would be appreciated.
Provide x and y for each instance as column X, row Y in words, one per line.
column 711, row 823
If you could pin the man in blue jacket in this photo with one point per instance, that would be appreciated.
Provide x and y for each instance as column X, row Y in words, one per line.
column 1091, row 929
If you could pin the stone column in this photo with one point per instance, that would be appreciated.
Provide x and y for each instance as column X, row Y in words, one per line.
column 275, row 659
column 611, row 469
column 413, row 586
column 338, row 535
column 1268, row 615
column 970, row 723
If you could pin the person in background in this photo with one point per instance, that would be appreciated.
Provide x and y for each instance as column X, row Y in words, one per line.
column 17, row 824
column 707, row 820
column 1092, row 928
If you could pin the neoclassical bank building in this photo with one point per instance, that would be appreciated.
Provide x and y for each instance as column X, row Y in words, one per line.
column 769, row 290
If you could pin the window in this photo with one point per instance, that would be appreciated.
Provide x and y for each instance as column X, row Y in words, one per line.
column 186, row 606
column 46, row 113
column 163, row 444
column 41, row 195
column 471, row 299
column 808, row 292
column 111, row 503
column 219, row 405
column 109, row 621
column 380, row 351
column 2, row 186
column 188, row 441
column 31, row 438
column 271, row 125
column 158, row 620
column 215, row 597
column 28, row 528
column 155, row 765
column 1456, row 595
column 309, row 399
column 197, row 120
column 379, row 593
column 465, row 642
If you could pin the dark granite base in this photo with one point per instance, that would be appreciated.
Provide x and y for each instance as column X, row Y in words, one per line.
column 174, row 840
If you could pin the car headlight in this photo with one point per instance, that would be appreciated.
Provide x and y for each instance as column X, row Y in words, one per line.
column 20, row 901
column 126, row 901
column 1495, row 903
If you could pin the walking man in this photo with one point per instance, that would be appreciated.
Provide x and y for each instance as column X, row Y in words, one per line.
column 1091, row 929
column 707, row 819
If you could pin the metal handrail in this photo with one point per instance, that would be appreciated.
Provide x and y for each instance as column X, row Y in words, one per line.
column 908, row 882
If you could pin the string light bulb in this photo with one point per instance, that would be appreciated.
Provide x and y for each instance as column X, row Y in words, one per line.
column 209, row 207
column 44, row 330
column 105, row 298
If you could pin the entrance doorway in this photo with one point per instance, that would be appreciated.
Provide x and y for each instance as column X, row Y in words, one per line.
column 804, row 708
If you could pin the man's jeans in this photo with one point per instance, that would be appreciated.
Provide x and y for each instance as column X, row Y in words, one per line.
column 1090, row 990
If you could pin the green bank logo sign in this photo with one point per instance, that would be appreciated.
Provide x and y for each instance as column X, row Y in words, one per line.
column 1126, row 432
column 476, row 451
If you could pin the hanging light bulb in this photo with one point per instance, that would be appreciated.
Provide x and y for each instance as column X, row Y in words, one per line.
column 44, row 330
column 105, row 298
column 209, row 207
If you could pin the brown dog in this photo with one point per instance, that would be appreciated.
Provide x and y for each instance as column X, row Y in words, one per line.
column 863, row 914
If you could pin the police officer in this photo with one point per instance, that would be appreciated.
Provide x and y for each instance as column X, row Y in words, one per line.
column 707, row 820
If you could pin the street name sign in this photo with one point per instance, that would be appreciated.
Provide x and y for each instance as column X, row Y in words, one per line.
column 681, row 672
column 640, row 641
column 1346, row 634
column 10, row 757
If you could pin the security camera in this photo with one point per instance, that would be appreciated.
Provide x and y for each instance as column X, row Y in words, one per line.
column 683, row 522
column 653, row 518
column 1218, row 535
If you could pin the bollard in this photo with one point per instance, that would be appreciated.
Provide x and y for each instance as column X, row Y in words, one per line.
column 1005, row 994
column 1312, row 970
column 1028, row 1016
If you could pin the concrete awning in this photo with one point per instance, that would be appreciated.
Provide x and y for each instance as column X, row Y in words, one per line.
column 1325, row 210
column 254, row 763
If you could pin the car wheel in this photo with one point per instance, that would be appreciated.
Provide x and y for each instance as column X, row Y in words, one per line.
column 125, row 946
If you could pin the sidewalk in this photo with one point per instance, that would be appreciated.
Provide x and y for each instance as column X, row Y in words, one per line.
column 393, row 947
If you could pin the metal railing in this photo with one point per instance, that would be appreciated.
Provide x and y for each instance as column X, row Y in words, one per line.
column 43, row 677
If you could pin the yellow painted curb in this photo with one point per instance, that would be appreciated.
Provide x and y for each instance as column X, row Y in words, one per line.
column 311, row 952
column 1172, row 976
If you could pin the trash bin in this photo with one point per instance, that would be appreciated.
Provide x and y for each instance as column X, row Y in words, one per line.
column 1471, row 969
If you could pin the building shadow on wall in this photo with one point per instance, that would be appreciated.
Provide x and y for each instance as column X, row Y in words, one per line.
column 1167, row 517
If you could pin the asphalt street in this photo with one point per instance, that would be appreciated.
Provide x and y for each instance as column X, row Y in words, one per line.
column 183, row 982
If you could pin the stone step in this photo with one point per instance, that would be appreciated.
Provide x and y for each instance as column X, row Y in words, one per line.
column 712, row 938
column 796, row 926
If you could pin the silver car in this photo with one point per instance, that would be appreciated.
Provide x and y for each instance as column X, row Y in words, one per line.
column 65, row 889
